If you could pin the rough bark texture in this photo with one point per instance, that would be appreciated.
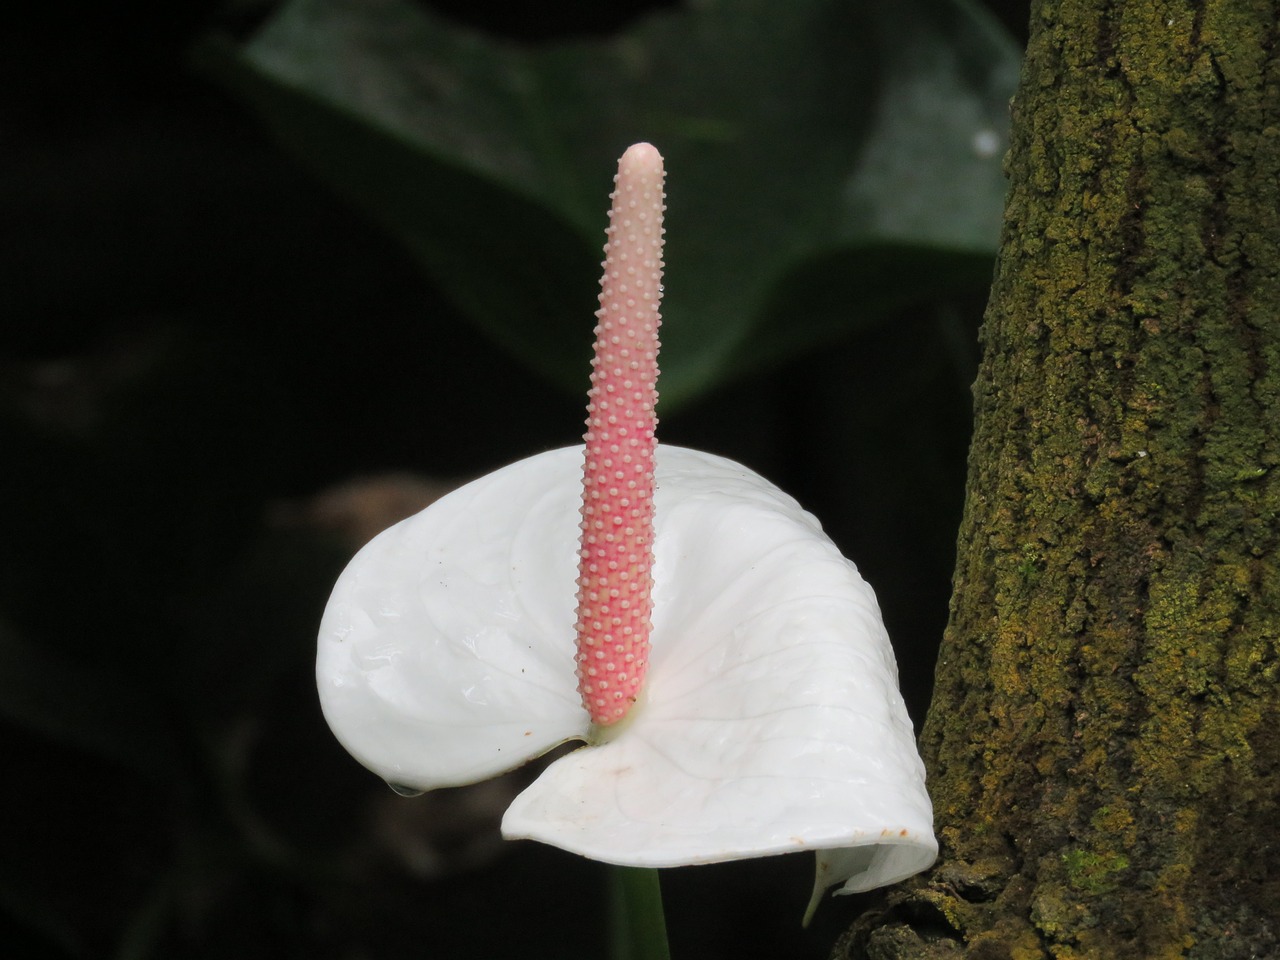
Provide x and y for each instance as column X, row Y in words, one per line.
column 1104, row 739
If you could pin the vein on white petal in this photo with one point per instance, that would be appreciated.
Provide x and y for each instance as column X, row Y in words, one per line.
column 738, row 774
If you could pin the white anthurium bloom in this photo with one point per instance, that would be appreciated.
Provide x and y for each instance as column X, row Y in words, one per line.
column 771, row 719
column 728, row 669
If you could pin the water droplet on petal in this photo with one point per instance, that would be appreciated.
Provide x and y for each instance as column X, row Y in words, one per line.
column 400, row 790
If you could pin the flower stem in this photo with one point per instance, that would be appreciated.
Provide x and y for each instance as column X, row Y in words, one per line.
column 639, row 929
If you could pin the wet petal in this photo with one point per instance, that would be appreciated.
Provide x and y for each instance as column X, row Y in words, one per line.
column 446, row 649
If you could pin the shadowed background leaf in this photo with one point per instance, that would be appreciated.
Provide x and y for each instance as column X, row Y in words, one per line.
column 836, row 133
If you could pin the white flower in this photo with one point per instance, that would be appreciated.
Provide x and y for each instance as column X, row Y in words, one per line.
column 743, row 694
column 770, row 720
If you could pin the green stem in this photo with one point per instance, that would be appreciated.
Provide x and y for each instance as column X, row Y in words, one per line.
column 639, row 929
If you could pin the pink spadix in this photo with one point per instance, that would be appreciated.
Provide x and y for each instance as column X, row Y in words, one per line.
column 615, row 581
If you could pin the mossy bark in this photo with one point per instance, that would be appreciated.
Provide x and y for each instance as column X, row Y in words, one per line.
column 1104, row 739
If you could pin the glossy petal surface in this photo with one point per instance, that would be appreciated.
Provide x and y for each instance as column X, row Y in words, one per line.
column 446, row 649
column 770, row 720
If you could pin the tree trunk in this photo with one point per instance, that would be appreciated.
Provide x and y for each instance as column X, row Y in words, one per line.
column 1104, row 738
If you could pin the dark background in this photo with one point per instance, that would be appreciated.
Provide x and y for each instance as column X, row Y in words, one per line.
column 196, row 340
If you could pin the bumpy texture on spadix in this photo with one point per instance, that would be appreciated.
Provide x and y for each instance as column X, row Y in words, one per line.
column 615, row 563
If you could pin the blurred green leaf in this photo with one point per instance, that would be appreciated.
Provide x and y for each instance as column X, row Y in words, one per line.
column 803, row 140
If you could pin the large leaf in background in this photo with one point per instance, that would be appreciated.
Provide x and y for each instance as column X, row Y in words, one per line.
column 819, row 132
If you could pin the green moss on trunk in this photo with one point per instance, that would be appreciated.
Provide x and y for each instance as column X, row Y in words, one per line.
column 1104, row 740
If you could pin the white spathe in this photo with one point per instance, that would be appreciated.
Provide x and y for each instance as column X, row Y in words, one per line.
column 770, row 720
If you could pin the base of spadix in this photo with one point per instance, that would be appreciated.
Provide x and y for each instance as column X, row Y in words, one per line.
column 601, row 733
